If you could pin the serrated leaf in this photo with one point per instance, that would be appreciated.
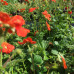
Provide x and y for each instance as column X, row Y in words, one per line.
column 38, row 59
column 55, row 52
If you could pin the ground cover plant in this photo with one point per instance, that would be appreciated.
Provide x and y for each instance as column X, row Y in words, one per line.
column 36, row 37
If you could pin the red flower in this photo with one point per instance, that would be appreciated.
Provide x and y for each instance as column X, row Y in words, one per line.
column 22, row 10
column 70, row 12
column 4, row 2
column 64, row 63
column 22, row 31
column 45, row 13
column 4, row 17
column 35, row 33
column 7, row 48
column 1, row 25
column 16, row 20
column 3, row 29
column 48, row 26
column 27, row 1
column 32, row 9
column 64, row 0
column 10, row 31
column 66, row 8
column 54, row 0
column 27, row 40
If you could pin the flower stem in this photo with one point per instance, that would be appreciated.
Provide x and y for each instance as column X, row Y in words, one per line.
column 1, row 59
column 31, row 53
column 8, row 61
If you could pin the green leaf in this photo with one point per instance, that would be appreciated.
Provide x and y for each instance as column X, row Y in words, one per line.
column 55, row 52
column 30, row 59
column 72, row 21
column 38, row 59
column 55, row 66
column 1, row 68
column 1, row 40
column 56, row 43
column 45, row 57
column 1, row 47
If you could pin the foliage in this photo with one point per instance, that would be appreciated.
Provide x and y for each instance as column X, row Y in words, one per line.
column 44, row 57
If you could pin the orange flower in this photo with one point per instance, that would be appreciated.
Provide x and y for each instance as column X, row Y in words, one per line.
column 64, row 0
column 22, row 31
column 32, row 9
column 45, row 12
column 16, row 20
column 47, row 16
column 48, row 26
column 1, row 25
column 4, row 2
column 27, row 40
column 54, row 0
column 27, row 1
column 4, row 17
column 22, row 10
column 3, row 29
column 69, row 12
column 7, row 48
column 35, row 33
column 64, row 63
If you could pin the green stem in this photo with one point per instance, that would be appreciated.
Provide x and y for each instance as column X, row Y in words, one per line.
column 33, row 63
column 48, row 71
column 1, row 59
column 8, row 61
column 31, row 53
column 23, row 64
column 12, row 70
column 1, row 41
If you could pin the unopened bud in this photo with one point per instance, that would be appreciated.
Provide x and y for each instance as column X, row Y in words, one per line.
column 19, row 51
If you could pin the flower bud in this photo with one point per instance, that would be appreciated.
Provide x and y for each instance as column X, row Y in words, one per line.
column 19, row 51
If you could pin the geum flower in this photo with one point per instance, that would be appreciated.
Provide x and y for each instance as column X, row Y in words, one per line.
column 47, row 16
column 67, row 8
column 27, row 40
column 48, row 26
column 69, row 12
column 27, row 1
column 32, row 9
column 1, row 25
column 35, row 32
column 23, row 9
column 54, row 0
column 4, row 2
column 4, row 17
column 64, row 63
column 15, row 22
column 7, row 48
